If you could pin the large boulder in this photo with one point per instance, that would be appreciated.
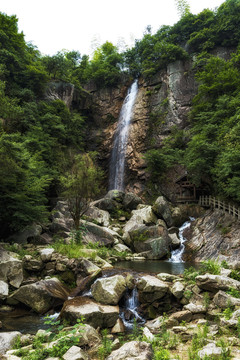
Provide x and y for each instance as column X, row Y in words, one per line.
column 131, row 201
column 139, row 350
column 95, row 314
column 151, row 240
column 216, row 282
column 41, row 296
column 7, row 340
column 162, row 209
column 177, row 289
column 61, row 218
column 102, row 217
column 109, row 290
column 151, row 289
column 95, row 233
column 143, row 215
column 223, row 300
column 116, row 195
column 10, row 268
column 28, row 234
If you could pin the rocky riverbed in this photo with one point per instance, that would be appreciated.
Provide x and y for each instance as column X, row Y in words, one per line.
column 186, row 316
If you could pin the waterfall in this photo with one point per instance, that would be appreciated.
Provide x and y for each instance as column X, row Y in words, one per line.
column 129, row 312
column 117, row 162
column 176, row 255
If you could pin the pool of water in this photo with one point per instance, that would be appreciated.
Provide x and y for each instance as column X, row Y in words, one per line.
column 156, row 266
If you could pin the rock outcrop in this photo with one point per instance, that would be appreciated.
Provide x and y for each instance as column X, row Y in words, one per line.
column 109, row 290
column 40, row 296
column 215, row 235
column 11, row 270
column 95, row 314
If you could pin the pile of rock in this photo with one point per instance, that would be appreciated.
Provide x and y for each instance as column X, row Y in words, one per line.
column 188, row 307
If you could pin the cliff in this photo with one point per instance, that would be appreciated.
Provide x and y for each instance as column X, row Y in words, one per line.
column 163, row 101
column 215, row 235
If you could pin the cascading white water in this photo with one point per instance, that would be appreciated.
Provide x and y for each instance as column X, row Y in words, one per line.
column 131, row 307
column 176, row 255
column 117, row 162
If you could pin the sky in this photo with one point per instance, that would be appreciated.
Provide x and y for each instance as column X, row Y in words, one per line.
column 83, row 25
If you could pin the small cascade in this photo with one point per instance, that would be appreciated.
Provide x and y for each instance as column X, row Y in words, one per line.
column 129, row 313
column 117, row 162
column 176, row 255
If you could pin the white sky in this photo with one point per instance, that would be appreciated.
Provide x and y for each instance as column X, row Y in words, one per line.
column 54, row 25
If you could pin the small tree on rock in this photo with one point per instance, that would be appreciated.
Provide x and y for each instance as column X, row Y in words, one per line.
column 81, row 185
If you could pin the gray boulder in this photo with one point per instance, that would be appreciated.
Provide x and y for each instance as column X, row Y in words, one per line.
column 95, row 233
column 7, row 340
column 102, row 217
column 216, row 282
column 122, row 248
column 109, row 290
column 162, row 209
column 75, row 353
column 116, row 195
column 141, row 216
column 177, row 289
column 95, row 314
column 3, row 290
column 223, row 300
column 28, row 234
column 46, row 254
column 175, row 241
column 194, row 308
column 153, row 241
column 210, row 349
column 151, row 289
column 40, row 296
column 139, row 350
column 131, row 201
column 11, row 268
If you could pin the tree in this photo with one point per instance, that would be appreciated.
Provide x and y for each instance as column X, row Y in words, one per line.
column 183, row 7
column 81, row 185
column 23, row 184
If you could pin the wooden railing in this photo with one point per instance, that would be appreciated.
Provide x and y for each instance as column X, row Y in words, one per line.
column 212, row 202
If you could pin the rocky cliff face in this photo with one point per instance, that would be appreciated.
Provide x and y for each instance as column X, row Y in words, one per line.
column 162, row 102
column 214, row 236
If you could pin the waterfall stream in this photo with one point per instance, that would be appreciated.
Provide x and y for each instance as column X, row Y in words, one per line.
column 117, row 162
column 130, row 312
column 177, row 254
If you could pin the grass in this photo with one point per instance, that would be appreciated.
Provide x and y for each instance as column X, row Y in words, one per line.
column 90, row 251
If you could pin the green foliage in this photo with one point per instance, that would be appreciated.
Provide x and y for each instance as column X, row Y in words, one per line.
column 235, row 274
column 23, row 181
column 198, row 342
column 106, row 347
column 211, row 267
column 228, row 312
column 81, row 185
column 190, row 274
column 183, row 7
column 238, row 327
column 162, row 354
column 233, row 292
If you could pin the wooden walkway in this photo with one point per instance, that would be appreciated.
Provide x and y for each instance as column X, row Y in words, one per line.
column 209, row 201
